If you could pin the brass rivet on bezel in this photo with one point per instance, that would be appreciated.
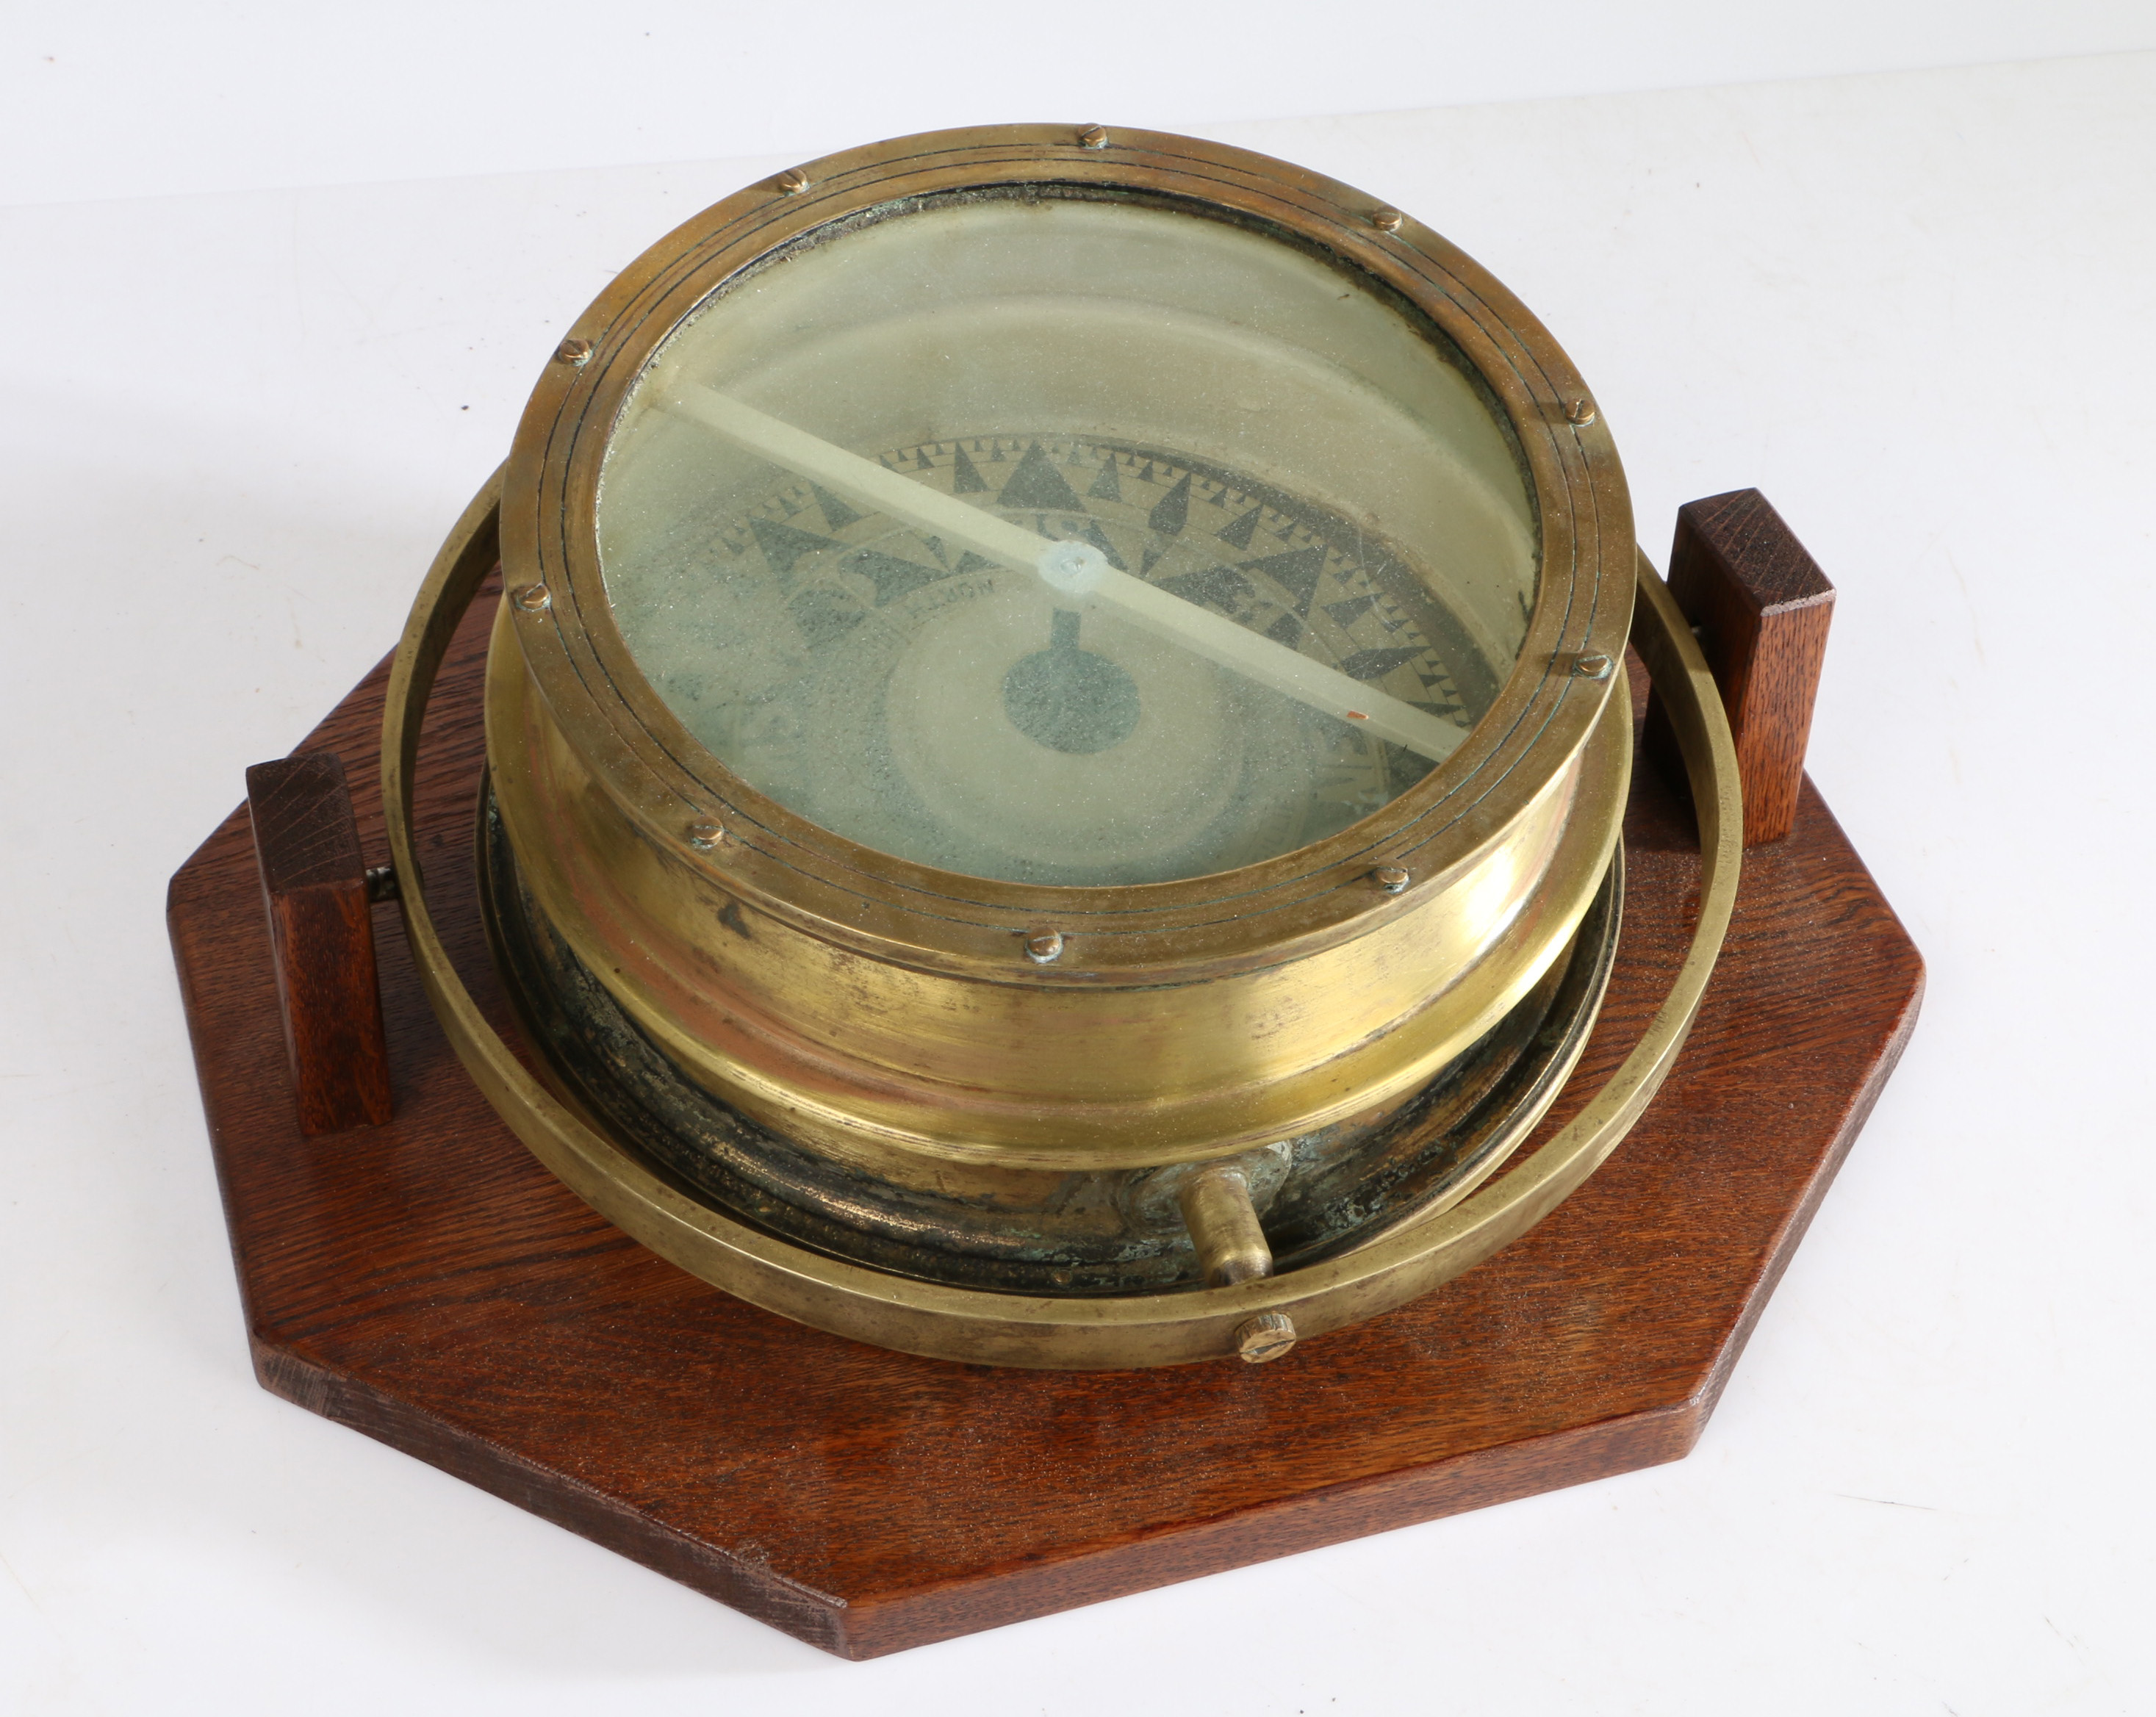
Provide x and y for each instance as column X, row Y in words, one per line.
column 1044, row 947
column 1580, row 412
column 1593, row 667
column 575, row 353
column 534, row 599
column 1387, row 220
column 1391, row 879
column 793, row 182
column 706, row 836
column 1264, row 1337
column 1094, row 137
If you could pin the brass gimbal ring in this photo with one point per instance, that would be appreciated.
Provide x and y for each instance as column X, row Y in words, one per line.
column 944, row 1322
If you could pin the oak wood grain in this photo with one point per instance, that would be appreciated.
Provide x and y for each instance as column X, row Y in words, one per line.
column 1761, row 607
column 429, row 1284
column 322, row 941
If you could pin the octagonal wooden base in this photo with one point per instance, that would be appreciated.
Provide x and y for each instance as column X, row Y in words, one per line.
column 428, row 1283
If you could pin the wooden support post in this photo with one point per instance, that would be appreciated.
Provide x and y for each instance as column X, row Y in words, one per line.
column 1761, row 606
column 321, row 934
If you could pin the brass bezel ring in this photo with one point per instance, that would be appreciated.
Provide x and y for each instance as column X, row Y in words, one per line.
column 999, row 1329
column 896, row 911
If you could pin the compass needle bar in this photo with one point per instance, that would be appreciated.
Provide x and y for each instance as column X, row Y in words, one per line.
column 1076, row 569
column 860, row 480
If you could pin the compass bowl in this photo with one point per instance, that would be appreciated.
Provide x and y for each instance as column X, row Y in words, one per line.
column 934, row 888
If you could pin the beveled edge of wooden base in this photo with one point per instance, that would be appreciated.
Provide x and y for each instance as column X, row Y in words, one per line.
column 817, row 1618
column 997, row 1596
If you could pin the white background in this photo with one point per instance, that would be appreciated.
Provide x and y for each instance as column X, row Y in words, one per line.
column 1916, row 306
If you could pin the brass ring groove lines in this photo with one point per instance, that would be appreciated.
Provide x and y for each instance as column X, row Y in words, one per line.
column 958, row 1324
column 787, row 863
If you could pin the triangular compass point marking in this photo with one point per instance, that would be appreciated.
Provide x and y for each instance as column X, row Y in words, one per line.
column 893, row 577
column 1376, row 663
column 1036, row 484
column 1221, row 588
column 783, row 545
column 836, row 513
column 1172, row 511
column 1296, row 571
column 1099, row 538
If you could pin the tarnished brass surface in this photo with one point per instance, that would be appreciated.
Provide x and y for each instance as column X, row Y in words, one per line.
column 1018, row 1123
column 1138, row 1330
column 1032, row 1230
column 1216, row 1205
column 870, row 1059
column 898, row 1017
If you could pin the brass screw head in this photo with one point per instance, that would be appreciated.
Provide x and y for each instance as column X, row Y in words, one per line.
column 1387, row 220
column 1580, row 412
column 1391, row 879
column 534, row 599
column 1044, row 947
column 1094, row 137
column 1264, row 1337
column 1594, row 667
column 706, row 836
column 793, row 182
column 575, row 353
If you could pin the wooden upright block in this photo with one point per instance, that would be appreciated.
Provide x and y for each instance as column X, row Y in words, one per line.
column 1762, row 605
column 321, row 935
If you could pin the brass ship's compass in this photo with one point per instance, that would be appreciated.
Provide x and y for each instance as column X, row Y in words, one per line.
column 1056, row 753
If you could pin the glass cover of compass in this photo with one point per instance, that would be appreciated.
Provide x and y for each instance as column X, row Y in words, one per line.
column 1070, row 540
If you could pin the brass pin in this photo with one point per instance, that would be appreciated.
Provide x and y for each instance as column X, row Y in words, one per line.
column 1044, row 947
column 1388, row 220
column 1094, row 137
column 534, row 599
column 575, row 353
column 793, row 182
column 1223, row 1226
column 1391, row 879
